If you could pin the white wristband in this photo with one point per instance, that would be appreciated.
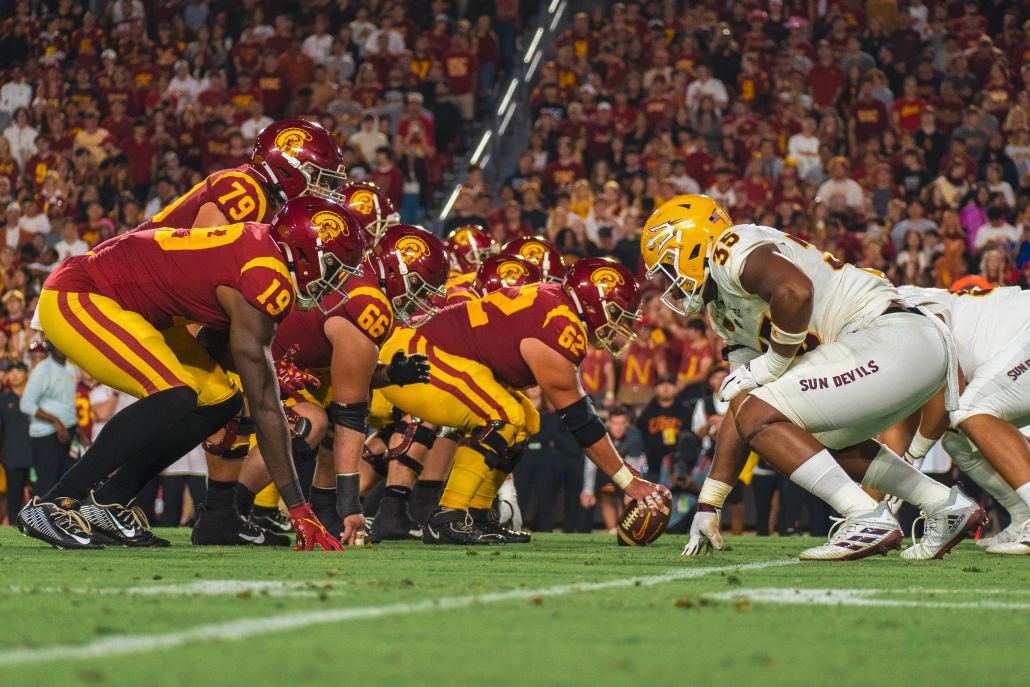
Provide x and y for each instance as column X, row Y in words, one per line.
column 787, row 338
column 920, row 445
column 623, row 477
column 714, row 492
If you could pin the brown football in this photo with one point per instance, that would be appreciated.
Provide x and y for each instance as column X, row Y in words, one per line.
column 638, row 527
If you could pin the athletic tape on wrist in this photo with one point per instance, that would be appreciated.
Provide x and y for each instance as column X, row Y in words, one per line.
column 769, row 366
column 292, row 494
column 623, row 477
column 348, row 488
column 920, row 445
column 788, row 338
column 714, row 492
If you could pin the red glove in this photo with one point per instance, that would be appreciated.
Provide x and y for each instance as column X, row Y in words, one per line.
column 291, row 378
column 310, row 532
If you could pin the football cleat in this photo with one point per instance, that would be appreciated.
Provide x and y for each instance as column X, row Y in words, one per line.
column 1018, row 546
column 489, row 521
column 276, row 521
column 945, row 526
column 1010, row 533
column 119, row 525
column 225, row 527
column 453, row 526
column 393, row 522
column 865, row 534
column 63, row 527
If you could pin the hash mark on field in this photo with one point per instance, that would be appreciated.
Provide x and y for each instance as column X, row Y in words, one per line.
column 861, row 597
column 238, row 629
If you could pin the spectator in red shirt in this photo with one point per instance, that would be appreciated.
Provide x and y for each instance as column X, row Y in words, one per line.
column 462, row 69
column 414, row 116
column 142, row 154
column 868, row 116
column 906, row 110
column 118, row 123
column 563, row 172
column 826, row 79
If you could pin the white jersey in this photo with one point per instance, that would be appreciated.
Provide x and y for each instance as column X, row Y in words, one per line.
column 983, row 323
column 845, row 297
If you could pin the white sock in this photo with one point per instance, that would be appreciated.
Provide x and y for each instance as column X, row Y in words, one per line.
column 892, row 475
column 822, row 476
column 984, row 474
column 1024, row 494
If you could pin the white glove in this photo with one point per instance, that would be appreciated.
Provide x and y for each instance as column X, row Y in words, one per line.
column 893, row 502
column 508, row 503
column 762, row 370
column 704, row 533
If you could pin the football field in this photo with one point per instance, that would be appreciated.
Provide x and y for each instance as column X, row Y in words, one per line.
column 563, row 610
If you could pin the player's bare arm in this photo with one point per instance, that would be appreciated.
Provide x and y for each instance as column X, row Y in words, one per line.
column 210, row 215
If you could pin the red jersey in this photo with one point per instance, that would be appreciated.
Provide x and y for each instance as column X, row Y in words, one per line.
column 367, row 308
column 460, row 66
column 591, row 371
column 37, row 166
column 640, row 364
column 585, row 43
column 559, row 175
column 825, row 81
column 908, row 110
column 274, row 91
column 83, row 410
column 239, row 196
column 870, row 118
column 169, row 276
column 458, row 290
column 693, row 356
column 491, row 330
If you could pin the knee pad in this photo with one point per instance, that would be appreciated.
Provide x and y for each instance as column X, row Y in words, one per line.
column 489, row 440
column 302, row 453
column 375, row 460
column 511, row 457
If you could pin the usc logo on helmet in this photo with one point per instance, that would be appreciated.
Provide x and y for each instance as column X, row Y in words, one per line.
column 411, row 248
column 290, row 141
column 510, row 271
column 533, row 252
column 330, row 225
column 607, row 278
column 463, row 238
column 363, row 202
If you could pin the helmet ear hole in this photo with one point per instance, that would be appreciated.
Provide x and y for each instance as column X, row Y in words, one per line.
column 302, row 256
column 696, row 252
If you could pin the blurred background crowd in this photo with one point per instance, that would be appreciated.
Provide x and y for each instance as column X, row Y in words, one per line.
column 894, row 135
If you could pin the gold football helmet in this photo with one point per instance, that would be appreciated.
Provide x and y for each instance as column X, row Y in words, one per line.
column 677, row 242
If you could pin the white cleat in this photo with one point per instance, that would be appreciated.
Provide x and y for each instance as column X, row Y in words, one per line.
column 1010, row 533
column 946, row 525
column 1018, row 546
column 859, row 536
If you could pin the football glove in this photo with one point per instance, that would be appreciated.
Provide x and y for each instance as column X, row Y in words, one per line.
column 508, row 503
column 310, row 532
column 407, row 369
column 704, row 533
column 292, row 379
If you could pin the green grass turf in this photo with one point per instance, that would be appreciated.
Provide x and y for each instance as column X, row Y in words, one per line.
column 672, row 633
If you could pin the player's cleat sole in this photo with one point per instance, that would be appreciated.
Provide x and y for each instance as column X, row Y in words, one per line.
column 393, row 522
column 946, row 525
column 63, row 527
column 455, row 527
column 1018, row 546
column 225, row 527
column 861, row 536
column 275, row 522
column 119, row 525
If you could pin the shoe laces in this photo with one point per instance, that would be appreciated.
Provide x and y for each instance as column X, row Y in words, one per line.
column 839, row 529
column 134, row 515
column 71, row 520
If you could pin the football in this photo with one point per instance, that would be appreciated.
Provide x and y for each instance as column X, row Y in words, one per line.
column 638, row 527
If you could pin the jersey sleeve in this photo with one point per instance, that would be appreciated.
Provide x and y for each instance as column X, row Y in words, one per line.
column 731, row 251
column 266, row 284
column 563, row 331
column 239, row 197
column 370, row 312
column 459, row 294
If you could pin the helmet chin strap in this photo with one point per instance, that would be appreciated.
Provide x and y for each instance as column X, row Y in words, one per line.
column 273, row 180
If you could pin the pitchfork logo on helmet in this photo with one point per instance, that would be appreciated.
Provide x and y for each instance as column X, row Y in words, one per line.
column 540, row 252
column 412, row 268
column 677, row 242
column 607, row 299
column 291, row 141
column 330, row 225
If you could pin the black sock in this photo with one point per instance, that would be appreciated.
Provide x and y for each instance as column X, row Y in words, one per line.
column 264, row 510
column 244, row 499
column 425, row 498
column 479, row 514
column 397, row 492
column 220, row 495
column 322, row 500
column 131, row 431
column 201, row 423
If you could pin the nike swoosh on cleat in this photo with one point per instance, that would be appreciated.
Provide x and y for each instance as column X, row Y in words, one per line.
column 260, row 539
column 433, row 534
column 81, row 540
column 129, row 533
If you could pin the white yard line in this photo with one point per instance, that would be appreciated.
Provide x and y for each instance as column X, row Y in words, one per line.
column 239, row 629
column 861, row 597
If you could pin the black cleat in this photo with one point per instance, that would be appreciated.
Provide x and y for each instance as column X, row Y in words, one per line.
column 119, row 525
column 488, row 520
column 225, row 527
column 394, row 522
column 276, row 521
column 452, row 526
column 61, row 526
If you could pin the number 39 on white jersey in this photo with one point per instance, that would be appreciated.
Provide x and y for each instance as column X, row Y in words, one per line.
column 845, row 297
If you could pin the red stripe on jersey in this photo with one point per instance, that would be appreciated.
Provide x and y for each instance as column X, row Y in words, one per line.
column 86, row 333
column 130, row 341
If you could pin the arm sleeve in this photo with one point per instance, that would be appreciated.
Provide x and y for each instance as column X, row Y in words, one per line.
column 700, row 419
column 589, row 476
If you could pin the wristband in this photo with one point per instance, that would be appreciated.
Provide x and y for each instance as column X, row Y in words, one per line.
column 347, row 490
column 787, row 338
column 292, row 494
column 623, row 477
column 714, row 492
column 609, row 394
column 920, row 445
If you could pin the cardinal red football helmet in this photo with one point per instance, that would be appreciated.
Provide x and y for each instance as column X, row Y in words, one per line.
column 323, row 246
column 374, row 210
column 411, row 265
column 541, row 252
column 297, row 157
column 468, row 247
column 607, row 298
column 505, row 271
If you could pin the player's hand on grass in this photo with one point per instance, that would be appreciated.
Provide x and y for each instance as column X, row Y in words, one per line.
column 408, row 369
column 647, row 493
column 353, row 528
column 704, row 532
column 310, row 532
column 291, row 378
